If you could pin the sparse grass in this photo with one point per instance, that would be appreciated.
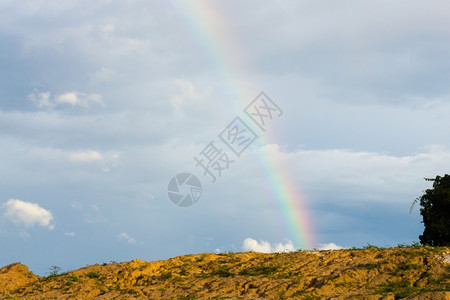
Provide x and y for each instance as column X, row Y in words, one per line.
column 437, row 281
column 401, row 289
column 412, row 245
column 165, row 276
column 404, row 266
column 286, row 275
column 73, row 278
column 369, row 266
column 114, row 287
column 183, row 271
column 223, row 261
column 258, row 270
column 93, row 274
column 223, row 271
column 133, row 292
column 416, row 245
column 372, row 247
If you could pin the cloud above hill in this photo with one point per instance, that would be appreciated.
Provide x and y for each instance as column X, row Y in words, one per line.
column 250, row 244
column 330, row 246
column 27, row 214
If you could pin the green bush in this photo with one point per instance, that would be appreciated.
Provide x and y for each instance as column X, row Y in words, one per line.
column 93, row 274
column 258, row 270
column 223, row 271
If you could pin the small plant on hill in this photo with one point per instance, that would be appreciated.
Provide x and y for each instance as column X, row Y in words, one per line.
column 93, row 274
column 372, row 247
column 223, row 271
column 258, row 270
column 73, row 278
column 165, row 276
column 54, row 271
column 413, row 245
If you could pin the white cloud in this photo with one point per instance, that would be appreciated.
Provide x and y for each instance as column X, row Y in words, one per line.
column 85, row 156
column 71, row 234
column 78, row 99
column 41, row 99
column 361, row 176
column 106, row 161
column 329, row 246
column 27, row 214
column 104, row 75
column 127, row 238
column 73, row 99
column 67, row 98
column 185, row 96
column 250, row 244
column 289, row 246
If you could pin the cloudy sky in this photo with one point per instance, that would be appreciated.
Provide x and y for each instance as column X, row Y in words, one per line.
column 103, row 102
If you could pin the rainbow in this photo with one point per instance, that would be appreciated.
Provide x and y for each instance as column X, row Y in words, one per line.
column 289, row 201
column 209, row 25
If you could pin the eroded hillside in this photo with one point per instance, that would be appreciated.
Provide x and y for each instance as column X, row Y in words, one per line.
column 372, row 273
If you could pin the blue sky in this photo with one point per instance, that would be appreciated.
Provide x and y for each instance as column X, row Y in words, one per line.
column 101, row 103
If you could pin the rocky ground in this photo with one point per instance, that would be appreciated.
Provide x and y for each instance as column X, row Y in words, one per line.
column 370, row 273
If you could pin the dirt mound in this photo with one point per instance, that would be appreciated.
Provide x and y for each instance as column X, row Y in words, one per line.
column 14, row 276
column 372, row 273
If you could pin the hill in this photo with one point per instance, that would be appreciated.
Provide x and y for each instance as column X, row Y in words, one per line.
column 370, row 273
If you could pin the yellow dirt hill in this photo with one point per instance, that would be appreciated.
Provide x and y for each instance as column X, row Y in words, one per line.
column 371, row 273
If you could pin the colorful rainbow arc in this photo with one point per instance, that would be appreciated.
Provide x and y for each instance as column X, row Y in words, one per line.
column 216, row 38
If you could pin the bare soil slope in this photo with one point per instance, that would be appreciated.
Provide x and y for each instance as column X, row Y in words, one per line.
column 372, row 273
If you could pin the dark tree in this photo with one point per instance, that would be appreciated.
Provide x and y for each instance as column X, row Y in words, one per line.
column 435, row 210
